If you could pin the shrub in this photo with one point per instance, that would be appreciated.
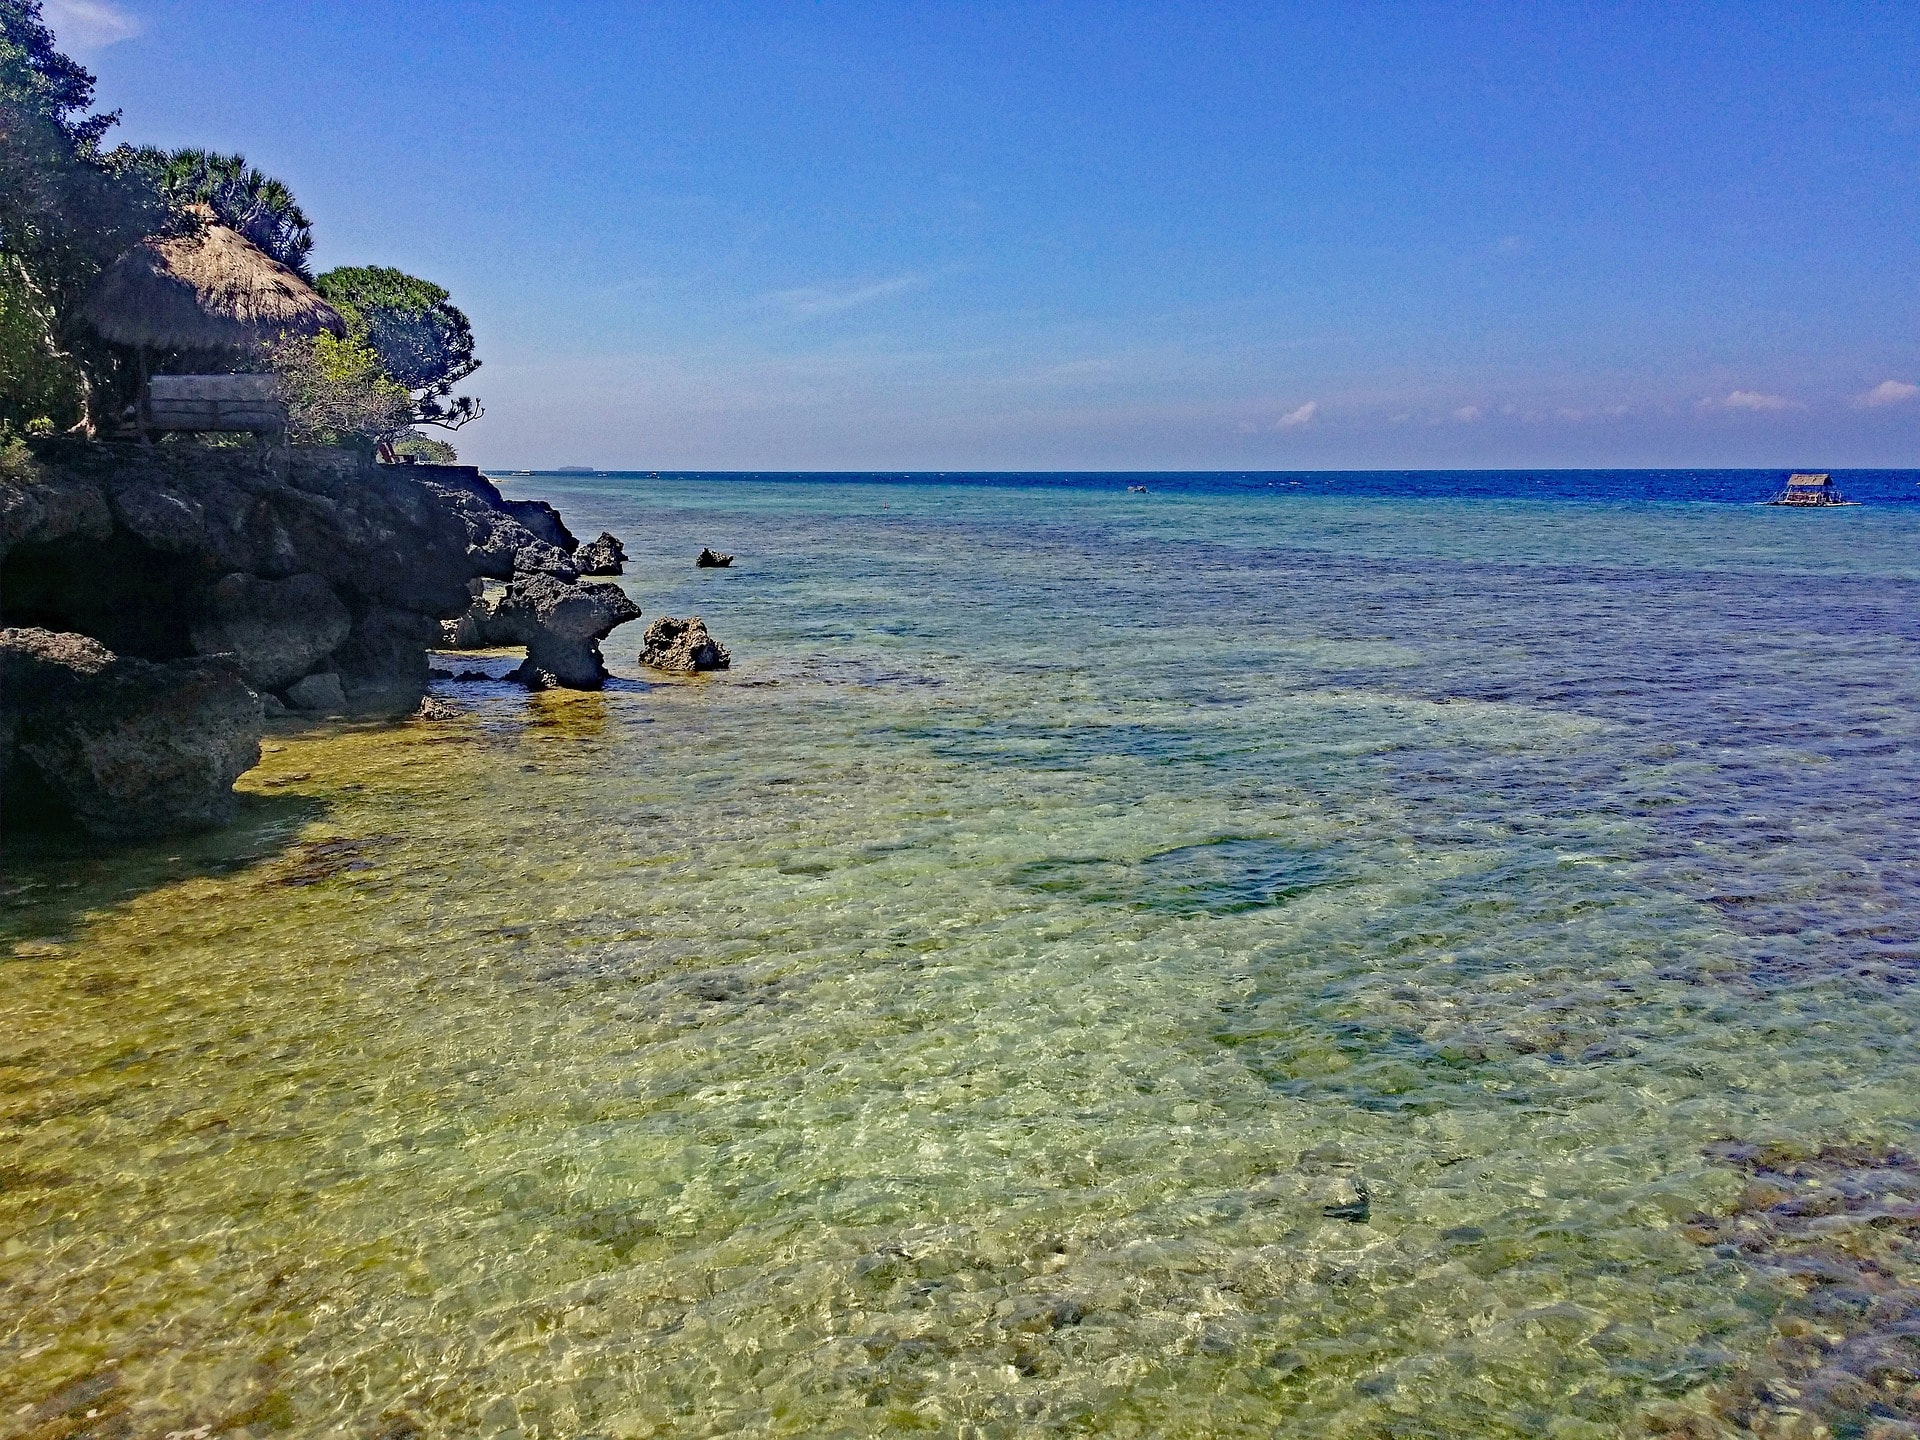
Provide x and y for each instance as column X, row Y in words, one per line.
column 17, row 465
column 425, row 449
column 336, row 393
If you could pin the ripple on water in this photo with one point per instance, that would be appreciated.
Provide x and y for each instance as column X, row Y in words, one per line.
column 1212, row 968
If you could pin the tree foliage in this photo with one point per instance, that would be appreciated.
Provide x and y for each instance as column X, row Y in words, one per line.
column 17, row 465
column 337, row 393
column 38, row 379
column 257, row 205
column 67, row 209
column 425, row 449
column 421, row 337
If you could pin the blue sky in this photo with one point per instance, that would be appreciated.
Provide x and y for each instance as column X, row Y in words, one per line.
column 1002, row 236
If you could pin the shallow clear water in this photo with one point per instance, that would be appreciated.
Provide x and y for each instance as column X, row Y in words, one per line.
column 1196, row 964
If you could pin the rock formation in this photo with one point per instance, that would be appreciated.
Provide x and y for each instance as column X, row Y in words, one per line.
column 125, row 747
column 497, row 544
column 709, row 560
column 605, row 556
column 287, row 563
column 537, row 517
column 275, row 630
column 322, row 692
column 682, row 647
column 547, row 607
column 562, row 624
column 167, row 596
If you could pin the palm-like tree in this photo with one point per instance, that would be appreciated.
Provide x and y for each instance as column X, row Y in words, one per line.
column 257, row 205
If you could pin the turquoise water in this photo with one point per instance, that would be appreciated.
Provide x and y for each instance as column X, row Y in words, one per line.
column 1200, row 964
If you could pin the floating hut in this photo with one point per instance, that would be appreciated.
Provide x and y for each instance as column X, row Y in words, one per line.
column 208, row 299
column 1810, row 488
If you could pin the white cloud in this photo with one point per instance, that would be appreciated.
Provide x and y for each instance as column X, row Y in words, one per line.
column 1887, row 392
column 1467, row 413
column 1752, row 400
column 812, row 300
column 1293, row 419
column 89, row 24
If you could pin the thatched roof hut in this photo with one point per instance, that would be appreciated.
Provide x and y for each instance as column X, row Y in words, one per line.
column 212, row 290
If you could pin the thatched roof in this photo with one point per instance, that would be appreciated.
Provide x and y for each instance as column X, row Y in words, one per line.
column 214, row 290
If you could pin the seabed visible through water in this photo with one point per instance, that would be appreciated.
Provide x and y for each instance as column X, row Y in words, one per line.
column 1169, row 965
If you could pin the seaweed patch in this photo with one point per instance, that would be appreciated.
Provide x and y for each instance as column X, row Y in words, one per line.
column 312, row 861
column 1837, row 1232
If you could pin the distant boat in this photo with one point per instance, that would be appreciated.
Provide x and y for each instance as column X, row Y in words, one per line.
column 1810, row 489
column 1136, row 489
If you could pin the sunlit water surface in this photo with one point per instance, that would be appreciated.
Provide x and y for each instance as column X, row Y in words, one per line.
column 1169, row 964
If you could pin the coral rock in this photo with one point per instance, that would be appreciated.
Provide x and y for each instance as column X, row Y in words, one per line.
column 605, row 556
column 682, row 647
column 124, row 747
column 273, row 630
column 318, row 692
column 564, row 624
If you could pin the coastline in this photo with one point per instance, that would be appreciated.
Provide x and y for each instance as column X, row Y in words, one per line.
column 165, row 602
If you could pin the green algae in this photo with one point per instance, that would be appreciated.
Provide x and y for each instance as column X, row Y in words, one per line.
column 1171, row 1033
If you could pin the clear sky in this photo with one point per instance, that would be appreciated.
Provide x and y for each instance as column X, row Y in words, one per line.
column 1001, row 236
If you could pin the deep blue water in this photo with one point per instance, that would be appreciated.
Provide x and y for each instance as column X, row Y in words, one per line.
column 1716, row 487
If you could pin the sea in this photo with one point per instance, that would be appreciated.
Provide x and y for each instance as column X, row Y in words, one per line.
column 1337, row 955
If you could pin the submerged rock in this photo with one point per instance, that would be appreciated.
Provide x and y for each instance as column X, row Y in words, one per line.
column 1036, row 1313
column 708, row 560
column 1834, row 1231
column 605, row 556
column 682, row 646
column 563, row 624
column 1347, row 1197
column 124, row 747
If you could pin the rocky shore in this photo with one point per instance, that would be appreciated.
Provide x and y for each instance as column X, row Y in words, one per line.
column 161, row 604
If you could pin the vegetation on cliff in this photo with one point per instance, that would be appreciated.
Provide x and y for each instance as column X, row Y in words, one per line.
column 423, row 341
column 337, row 393
column 68, row 208
column 258, row 206
column 71, row 208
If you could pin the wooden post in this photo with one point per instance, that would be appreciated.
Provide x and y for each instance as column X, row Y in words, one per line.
column 143, row 404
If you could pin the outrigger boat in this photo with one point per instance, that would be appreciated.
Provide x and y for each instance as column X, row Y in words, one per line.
column 1810, row 489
